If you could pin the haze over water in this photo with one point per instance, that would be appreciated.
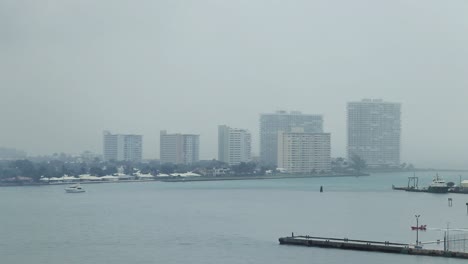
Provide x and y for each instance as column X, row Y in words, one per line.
column 73, row 68
column 221, row 222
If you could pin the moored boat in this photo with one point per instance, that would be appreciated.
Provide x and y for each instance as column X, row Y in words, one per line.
column 438, row 185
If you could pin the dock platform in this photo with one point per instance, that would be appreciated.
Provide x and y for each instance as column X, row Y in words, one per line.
column 425, row 190
column 365, row 245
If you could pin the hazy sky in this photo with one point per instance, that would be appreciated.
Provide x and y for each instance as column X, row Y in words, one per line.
column 71, row 68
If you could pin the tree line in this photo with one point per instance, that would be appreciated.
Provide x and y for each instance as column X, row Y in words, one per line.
column 57, row 168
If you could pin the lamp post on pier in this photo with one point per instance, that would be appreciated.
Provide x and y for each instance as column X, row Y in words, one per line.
column 417, row 229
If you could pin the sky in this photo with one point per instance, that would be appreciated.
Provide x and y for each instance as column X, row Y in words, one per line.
column 70, row 69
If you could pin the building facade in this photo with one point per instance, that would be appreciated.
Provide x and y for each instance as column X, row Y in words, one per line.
column 234, row 145
column 179, row 148
column 304, row 153
column 121, row 147
column 271, row 124
column 374, row 129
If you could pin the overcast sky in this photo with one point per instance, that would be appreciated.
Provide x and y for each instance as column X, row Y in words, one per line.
column 70, row 69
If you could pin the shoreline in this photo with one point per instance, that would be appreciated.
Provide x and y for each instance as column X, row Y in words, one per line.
column 238, row 178
column 190, row 179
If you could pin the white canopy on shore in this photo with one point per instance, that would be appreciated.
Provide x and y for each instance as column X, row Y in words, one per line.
column 145, row 176
column 87, row 177
column 109, row 178
column 185, row 174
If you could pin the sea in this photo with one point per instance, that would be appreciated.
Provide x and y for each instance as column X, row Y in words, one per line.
column 224, row 221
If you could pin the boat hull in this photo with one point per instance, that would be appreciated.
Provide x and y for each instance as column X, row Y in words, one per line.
column 432, row 189
column 75, row 191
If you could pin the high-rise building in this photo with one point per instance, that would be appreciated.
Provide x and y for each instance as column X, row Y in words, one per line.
column 120, row 147
column 271, row 124
column 234, row 145
column 374, row 132
column 179, row 148
column 304, row 153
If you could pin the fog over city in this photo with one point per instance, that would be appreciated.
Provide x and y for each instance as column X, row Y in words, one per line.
column 70, row 69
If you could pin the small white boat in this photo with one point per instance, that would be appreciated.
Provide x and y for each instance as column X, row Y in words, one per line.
column 74, row 189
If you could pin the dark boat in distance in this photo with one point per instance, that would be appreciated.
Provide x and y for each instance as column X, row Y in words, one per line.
column 421, row 227
column 438, row 185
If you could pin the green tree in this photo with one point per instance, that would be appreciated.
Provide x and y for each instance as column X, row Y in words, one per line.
column 244, row 168
column 167, row 168
column 25, row 167
column 97, row 171
column 357, row 163
column 109, row 170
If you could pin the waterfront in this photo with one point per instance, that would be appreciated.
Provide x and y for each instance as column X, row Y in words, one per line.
column 221, row 221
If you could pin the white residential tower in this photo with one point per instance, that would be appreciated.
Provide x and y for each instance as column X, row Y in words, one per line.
column 234, row 145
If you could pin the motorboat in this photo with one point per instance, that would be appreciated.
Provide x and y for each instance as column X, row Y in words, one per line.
column 438, row 185
column 74, row 189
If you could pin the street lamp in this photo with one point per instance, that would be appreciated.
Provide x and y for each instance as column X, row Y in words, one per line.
column 417, row 229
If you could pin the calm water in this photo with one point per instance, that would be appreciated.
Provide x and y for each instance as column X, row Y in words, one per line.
column 220, row 222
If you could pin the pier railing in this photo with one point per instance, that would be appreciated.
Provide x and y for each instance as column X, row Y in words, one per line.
column 369, row 245
column 353, row 240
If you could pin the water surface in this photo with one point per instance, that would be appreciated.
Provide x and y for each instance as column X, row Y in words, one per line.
column 222, row 221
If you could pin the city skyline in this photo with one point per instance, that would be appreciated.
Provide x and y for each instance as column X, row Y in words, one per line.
column 374, row 132
column 234, row 145
column 270, row 124
column 68, row 74
column 304, row 152
column 255, row 154
column 120, row 147
column 179, row 148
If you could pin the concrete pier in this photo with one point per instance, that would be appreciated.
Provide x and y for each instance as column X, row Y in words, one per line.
column 365, row 245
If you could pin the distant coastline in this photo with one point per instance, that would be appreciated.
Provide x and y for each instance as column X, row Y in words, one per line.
column 193, row 179
column 258, row 177
column 413, row 170
column 234, row 177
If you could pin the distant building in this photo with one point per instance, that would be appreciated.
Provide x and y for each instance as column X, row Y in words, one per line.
column 304, row 153
column 121, row 147
column 234, row 145
column 88, row 156
column 11, row 154
column 374, row 132
column 271, row 124
column 179, row 148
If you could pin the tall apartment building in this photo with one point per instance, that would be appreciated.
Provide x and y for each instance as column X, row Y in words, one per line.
column 121, row 147
column 304, row 153
column 234, row 145
column 272, row 123
column 374, row 128
column 179, row 148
